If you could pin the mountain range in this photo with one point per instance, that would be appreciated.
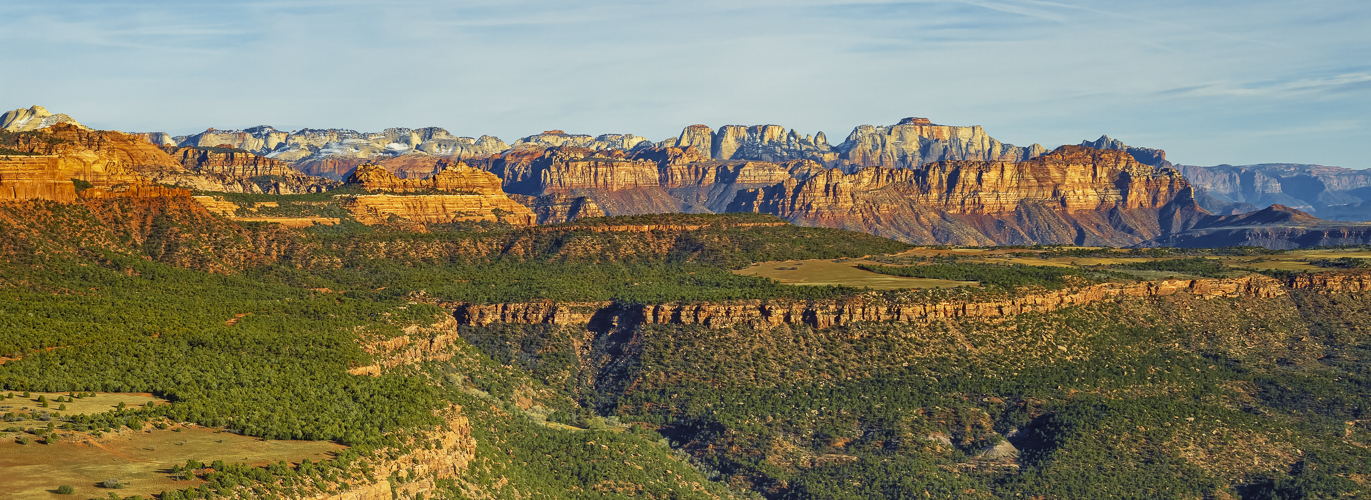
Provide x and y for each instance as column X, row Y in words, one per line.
column 913, row 181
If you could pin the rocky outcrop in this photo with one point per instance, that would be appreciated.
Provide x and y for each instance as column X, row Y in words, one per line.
column 916, row 141
column 883, row 308
column 315, row 144
column 877, row 308
column 437, row 209
column 477, row 196
column 35, row 178
column 559, row 208
column 63, row 155
column 1146, row 156
column 238, row 171
column 1074, row 195
column 161, row 139
column 618, row 183
column 558, row 138
column 440, row 453
column 34, row 118
column 770, row 143
column 452, row 178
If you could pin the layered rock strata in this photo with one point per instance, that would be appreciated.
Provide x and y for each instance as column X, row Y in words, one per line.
column 873, row 308
column 559, row 208
column 238, row 171
column 558, row 138
column 317, row 144
column 437, row 209
column 35, row 178
column 916, row 141
column 1146, row 156
column 1074, row 195
column 452, row 178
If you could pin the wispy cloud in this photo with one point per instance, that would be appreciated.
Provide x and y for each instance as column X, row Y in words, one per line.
column 1279, row 90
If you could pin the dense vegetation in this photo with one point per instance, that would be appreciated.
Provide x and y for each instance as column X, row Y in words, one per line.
column 1116, row 400
column 1342, row 263
column 1195, row 266
column 254, row 328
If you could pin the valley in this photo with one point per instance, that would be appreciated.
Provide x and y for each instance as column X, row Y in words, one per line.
column 741, row 312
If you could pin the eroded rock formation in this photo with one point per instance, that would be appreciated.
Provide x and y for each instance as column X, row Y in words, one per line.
column 238, row 171
column 878, row 308
column 916, row 141
column 452, row 178
column 559, row 208
column 1074, row 195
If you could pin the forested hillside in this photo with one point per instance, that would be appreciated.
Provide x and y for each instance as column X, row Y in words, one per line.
column 347, row 333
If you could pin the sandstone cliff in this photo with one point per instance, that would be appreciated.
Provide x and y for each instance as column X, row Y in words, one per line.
column 238, row 171
column 480, row 198
column 559, row 208
column 916, row 141
column 1146, row 156
column 878, row 308
column 558, row 138
column 437, row 209
column 315, row 145
column 451, row 178
column 771, row 143
column 1074, row 195
column 64, row 154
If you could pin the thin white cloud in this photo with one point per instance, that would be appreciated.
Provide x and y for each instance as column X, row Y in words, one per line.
column 1279, row 90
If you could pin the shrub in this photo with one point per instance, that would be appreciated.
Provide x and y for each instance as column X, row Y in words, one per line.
column 65, row 489
column 112, row 483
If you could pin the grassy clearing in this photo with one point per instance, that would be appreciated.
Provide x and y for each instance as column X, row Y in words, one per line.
column 840, row 272
column 100, row 403
column 140, row 460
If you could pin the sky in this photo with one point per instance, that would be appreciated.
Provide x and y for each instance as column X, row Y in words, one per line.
column 1211, row 82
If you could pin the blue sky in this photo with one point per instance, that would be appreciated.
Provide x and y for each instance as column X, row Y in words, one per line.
column 1211, row 82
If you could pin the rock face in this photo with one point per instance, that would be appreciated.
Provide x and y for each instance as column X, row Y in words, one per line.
column 1074, row 195
column 35, row 178
column 1329, row 192
column 311, row 146
column 916, row 141
column 34, row 118
column 877, row 308
column 481, row 198
column 108, row 159
column 1146, row 156
column 558, row 138
column 618, row 183
column 559, row 208
column 437, row 209
column 64, row 153
column 452, row 178
column 238, row 171
column 771, row 143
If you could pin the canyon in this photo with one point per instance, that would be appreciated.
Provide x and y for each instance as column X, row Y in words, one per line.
column 906, row 308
